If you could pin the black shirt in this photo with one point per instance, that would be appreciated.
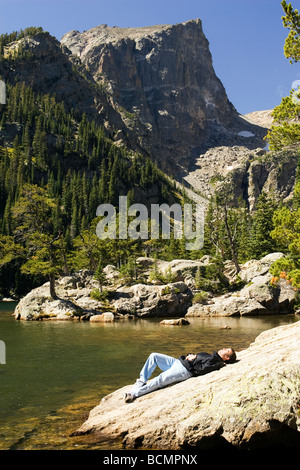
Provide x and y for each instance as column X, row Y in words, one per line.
column 203, row 363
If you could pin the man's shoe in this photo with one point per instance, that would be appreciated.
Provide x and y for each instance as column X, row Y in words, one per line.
column 128, row 397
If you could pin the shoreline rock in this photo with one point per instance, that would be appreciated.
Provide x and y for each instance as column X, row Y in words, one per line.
column 175, row 322
column 106, row 317
column 251, row 404
column 74, row 301
column 146, row 301
column 159, row 298
column 257, row 297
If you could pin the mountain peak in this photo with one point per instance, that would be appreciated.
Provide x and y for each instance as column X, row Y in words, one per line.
column 161, row 79
column 82, row 43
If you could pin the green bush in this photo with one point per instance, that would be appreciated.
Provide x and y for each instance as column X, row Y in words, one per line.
column 165, row 278
column 96, row 294
column 200, row 298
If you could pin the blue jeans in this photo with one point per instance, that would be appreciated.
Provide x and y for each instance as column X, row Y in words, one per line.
column 172, row 371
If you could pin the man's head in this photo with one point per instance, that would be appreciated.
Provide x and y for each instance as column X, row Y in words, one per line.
column 227, row 355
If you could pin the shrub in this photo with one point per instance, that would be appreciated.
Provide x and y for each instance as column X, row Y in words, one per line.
column 96, row 294
column 200, row 298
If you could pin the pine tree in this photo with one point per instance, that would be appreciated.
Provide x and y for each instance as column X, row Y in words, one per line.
column 32, row 218
column 100, row 275
column 286, row 234
column 291, row 21
column 223, row 220
column 74, row 219
column 9, row 250
column 261, row 242
column 112, row 186
column 7, row 218
column 102, row 182
column 39, row 145
column 46, row 167
column 285, row 130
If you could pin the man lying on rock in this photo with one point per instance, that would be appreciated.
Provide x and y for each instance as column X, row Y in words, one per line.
column 177, row 370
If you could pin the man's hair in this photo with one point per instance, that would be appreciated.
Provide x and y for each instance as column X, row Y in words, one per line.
column 232, row 357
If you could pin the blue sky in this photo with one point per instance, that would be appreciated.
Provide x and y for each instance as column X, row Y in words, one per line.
column 246, row 36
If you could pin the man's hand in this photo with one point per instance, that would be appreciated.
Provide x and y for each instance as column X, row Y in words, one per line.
column 191, row 357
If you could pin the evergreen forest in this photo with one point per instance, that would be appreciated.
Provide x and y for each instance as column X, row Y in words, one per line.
column 57, row 165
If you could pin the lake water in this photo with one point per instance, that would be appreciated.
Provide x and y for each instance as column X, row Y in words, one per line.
column 57, row 371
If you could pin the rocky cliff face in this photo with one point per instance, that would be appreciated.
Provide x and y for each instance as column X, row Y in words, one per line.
column 155, row 90
column 249, row 171
column 161, row 81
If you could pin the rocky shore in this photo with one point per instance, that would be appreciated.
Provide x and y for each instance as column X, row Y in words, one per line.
column 171, row 292
column 251, row 404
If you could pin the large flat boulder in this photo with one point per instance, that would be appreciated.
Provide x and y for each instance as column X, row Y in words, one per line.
column 74, row 300
column 144, row 300
column 257, row 297
column 249, row 404
column 254, row 268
